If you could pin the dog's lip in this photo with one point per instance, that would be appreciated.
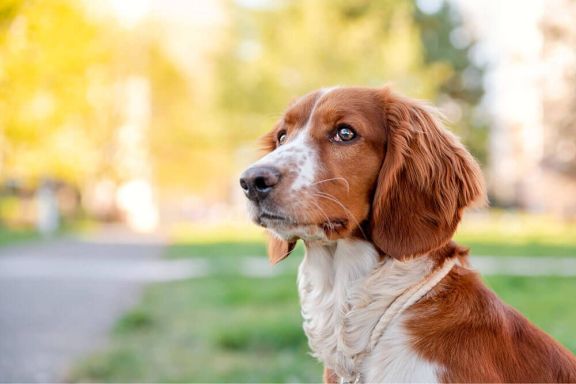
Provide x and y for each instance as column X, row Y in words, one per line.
column 331, row 225
column 266, row 218
column 272, row 216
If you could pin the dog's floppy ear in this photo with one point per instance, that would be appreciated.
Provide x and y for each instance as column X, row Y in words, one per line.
column 426, row 180
column 279, row 249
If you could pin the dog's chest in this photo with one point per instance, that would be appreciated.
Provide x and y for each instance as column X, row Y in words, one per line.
column 344, row 290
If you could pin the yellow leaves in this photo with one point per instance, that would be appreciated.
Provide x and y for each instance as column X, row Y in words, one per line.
column 47, row 121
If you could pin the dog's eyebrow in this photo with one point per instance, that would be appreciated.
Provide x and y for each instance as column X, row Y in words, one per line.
column 291, row 117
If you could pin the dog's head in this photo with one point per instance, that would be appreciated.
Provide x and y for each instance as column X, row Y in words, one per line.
column 361, row 162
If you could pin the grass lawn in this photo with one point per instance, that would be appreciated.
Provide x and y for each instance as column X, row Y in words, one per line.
column 229, row 328
column 491, row 233
column 504, row 234
column 14, row 235
column 222, row 329
column 8, row 236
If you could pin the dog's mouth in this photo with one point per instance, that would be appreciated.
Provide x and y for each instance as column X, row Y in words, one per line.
column 277, row 221
column 334, row 225
column 274, row 217
column 268, row 219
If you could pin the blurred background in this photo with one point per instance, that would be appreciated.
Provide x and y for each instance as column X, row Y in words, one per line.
column 125, row 252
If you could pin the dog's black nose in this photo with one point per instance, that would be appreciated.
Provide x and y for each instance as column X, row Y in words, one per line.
column 258, row 181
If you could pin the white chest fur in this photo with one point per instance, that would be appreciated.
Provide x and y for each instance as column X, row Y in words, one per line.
column 344, row 290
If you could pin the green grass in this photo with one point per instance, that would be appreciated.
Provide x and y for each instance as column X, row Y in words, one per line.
column 9, row 236
column 218, row 250
column 528, row 248
column 549, row 302
column 229, row 328
column 492, row 233
column 506, row 234
column 221, row 329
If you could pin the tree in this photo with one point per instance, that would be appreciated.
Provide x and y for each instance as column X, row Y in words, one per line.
column 55, row 75
column 286, row 49
column 447, row 43
column 318, row 43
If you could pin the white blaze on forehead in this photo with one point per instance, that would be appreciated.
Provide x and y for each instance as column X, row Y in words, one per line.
column 299, row 155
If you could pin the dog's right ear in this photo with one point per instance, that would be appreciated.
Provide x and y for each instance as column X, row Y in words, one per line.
column 279, row 249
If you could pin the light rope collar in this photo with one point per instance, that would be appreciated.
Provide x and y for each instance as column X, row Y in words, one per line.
column 398, row 306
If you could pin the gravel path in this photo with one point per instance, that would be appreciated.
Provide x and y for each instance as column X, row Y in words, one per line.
column 59, row 298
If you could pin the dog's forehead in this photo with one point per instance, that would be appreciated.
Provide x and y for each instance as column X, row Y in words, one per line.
column 348, row 99
column 331, row 102
column 301, row 108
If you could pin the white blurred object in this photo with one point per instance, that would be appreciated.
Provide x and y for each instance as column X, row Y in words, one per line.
column 130, row 12
column 135, row 199
column 48, row 219
column 99, row 199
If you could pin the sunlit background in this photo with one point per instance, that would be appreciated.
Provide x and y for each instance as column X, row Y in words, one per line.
column 125, row 123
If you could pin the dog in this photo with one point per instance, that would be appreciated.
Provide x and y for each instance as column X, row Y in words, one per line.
column 375, row 186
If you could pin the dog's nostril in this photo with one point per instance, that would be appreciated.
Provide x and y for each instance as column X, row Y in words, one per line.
column 262, row 183
column 244, row 184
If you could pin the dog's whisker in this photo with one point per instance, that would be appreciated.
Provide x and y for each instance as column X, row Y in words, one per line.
column 343, row 179
column 346, row 210
column 330, row 224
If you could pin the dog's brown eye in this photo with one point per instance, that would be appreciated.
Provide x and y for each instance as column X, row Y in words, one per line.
column 344, row 132
column 281, row 137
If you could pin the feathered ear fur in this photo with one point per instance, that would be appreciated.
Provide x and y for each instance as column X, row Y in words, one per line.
column 426, row 180
column 279, row 249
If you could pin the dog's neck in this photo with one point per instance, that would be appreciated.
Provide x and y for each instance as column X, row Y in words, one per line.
column 344, row 288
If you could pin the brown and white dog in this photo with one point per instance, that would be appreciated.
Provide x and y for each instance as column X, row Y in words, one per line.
column 375, row 187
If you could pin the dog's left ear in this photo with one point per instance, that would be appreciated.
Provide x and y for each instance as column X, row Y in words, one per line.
column 426, row 180
column 279, row 249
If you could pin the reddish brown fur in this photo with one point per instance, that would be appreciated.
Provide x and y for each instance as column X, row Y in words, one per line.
column 426, row 180
column 415, row 182
column 330, row 377
column 278, row 249
column 361, row 108
column 465, row 327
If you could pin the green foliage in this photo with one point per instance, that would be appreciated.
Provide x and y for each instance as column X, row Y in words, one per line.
column 320, row 43
column 461, row 90
column 8, row 10
column 51, row 58
column 62, row 71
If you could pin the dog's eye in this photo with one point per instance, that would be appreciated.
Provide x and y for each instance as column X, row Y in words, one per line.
column 344, row 132
column 281, row 137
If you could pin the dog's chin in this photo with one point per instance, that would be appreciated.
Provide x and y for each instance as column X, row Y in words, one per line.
column 291, row 228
